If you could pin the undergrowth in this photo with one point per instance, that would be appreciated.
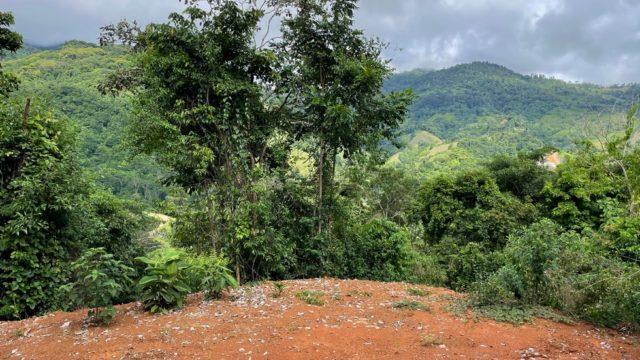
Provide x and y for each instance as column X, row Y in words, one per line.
column 311, row 297
column 516, row 314
column 411, row 305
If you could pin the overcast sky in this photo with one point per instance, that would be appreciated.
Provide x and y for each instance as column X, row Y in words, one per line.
column 578, row 40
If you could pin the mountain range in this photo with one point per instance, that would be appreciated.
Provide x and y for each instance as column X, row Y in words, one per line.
column 461, row 115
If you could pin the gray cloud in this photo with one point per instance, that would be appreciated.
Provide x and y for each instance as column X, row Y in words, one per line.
column 581, row 40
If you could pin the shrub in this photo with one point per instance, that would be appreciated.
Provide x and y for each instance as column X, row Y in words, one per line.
column 545, row 266
column 416, row 292
column 499, row 288
column 528, row 256
column 378, row 250
column 209, row 273
column 213, row 276
column 278, row 289
column 426, row 269
column 164, row 284
column 411, row 305
column 588, row 284
column 98, row 279
column 532, row 252
column 469, row 263
column 311, row 297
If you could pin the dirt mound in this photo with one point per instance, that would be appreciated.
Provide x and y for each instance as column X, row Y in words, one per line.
column 357, row 320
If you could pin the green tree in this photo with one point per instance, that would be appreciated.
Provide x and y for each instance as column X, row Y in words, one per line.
column 9, row 41
column 470, row 208
column 41, row 195
column 336, row 78
column 203, row 108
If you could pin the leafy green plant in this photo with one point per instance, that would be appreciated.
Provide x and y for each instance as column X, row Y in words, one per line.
column 416, row 292
column 208, row 273
column 278, row 289
column 377, row 250
column 98, row 279
column 426, row 269
column 411, row 305
column 163, row 286
column 311, row 297
column 217, row 279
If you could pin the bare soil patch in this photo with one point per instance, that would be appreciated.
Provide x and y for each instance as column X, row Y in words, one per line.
column 357, row 320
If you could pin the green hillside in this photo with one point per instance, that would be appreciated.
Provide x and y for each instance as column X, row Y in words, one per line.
column 461, row 116
column 482, row 109
column 66, row 78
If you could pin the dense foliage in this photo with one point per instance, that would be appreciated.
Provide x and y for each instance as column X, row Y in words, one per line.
column 66, row 78
column 50, row 212
column 576, row 251
column 98, row 279
column 284, row 161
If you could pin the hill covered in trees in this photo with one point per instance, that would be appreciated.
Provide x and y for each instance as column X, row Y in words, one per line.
column 66, row 77
column 461, row 116
column 471, row 112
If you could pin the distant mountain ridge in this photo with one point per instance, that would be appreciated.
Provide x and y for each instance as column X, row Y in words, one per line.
column 461, row 116
column 483, row 109
column 481, row 88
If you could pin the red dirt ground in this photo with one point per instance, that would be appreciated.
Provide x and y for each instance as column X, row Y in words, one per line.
column 357, row 321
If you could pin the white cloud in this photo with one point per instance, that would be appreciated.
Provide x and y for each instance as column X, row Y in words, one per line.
column 591, row 40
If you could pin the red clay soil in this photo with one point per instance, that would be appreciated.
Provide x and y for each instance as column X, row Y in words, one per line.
column 357, row 321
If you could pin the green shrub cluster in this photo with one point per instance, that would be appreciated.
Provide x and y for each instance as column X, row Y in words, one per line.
column 97, row 281
column 569, row 243
column 50, row 212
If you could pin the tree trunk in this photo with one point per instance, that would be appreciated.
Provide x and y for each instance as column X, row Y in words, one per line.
column 212, row 225
column 331, row 189
column 237, row 269
column 320, row 202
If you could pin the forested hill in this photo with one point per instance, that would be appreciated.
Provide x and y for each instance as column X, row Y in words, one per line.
column 470, row 112
column 461, row 115
column 471, row 90
column 66, row 77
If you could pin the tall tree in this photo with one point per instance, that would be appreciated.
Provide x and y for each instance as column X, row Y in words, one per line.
column 336, row 85
column 201, row 108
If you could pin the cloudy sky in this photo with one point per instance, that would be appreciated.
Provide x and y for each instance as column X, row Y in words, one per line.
column 577, row 40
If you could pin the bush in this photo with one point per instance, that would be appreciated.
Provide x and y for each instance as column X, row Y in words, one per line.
column 501, row 288
column 311, row 297
column 545, row 266
column 471, row 208
column 98, row 279
column 588, row 284
column 469, row 263
column 164, row 284
column 426, row 269
column 209, row 273
column 529, row 256
column 378, row 250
